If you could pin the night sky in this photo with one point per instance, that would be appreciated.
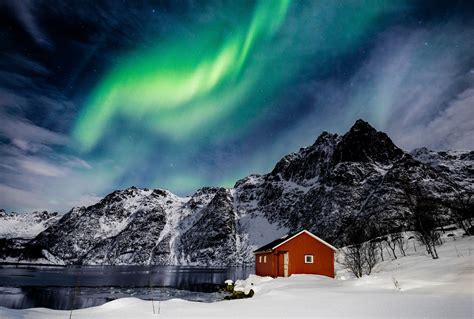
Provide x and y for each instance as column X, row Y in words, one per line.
column 102, row 95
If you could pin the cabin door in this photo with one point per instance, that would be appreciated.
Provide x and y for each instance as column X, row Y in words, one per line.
column 285, row 264
column 282, row 265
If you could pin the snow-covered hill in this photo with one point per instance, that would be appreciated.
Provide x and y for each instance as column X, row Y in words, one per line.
column 415, row 286
column 27, row 225
column 458, row 164
column 337, row 181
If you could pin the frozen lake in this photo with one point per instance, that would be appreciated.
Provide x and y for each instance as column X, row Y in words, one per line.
column 86, row 286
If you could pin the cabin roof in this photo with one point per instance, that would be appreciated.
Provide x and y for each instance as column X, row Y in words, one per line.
column 280, row 241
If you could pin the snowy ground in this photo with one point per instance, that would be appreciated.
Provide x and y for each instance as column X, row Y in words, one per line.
column 428, row 288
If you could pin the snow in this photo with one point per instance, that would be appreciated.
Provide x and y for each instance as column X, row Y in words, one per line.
column 172, row 205
column 47, row 259
column 250, row 235
column 110, row 227
column 51, row 259
column 290, row 186
column 25, row 225
column 381, row 169
column 253, row 282
column 414, row 286
column 457, row 162
column 252, row 226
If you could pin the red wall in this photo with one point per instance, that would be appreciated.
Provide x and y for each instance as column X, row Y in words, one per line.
column 264, row 269
column 297, row 248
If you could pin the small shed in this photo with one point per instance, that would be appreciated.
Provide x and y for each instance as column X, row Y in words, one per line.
column 297, row 253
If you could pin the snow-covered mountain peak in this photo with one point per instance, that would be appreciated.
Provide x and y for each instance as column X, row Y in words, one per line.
column 324, row 187
column 363, row 143
column 458, row 164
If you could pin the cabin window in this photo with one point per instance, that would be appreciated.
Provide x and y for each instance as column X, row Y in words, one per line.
column 265, row 259
column 260, row 259
column 308, row 259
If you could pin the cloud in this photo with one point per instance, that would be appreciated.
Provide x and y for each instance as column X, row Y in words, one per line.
column 416, row 84
column 452, row 128
column 38, row 167
column 19, row 198
column 83, row 200
column 425, row 87
column 25, row 65
column 412, row 81
column 23, row 12
column 47, row 180
column 35, row 174
column 24, row 132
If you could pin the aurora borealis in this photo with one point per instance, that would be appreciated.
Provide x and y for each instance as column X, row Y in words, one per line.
column 101, row 95
column 178, row 86
column 185, row 86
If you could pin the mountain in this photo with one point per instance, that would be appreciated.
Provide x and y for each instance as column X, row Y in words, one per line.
column 17, row 230
column 457, row 165
column 361, row 176
column 27, row 225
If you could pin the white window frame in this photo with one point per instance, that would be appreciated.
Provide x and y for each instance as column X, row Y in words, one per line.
column 260, row 259
column 265, row 259
column 309, row 262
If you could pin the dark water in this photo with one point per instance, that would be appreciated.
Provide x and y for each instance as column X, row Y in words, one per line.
column 86, row 286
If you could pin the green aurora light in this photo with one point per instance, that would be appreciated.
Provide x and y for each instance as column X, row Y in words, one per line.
column 184, row 85
column 180, row 85
column 213, row 84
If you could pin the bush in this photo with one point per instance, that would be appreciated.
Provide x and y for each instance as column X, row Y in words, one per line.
column 239, row 295
column 361, row 258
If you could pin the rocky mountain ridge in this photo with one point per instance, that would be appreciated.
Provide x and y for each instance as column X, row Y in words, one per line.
column 360, row 176
column 25, row 225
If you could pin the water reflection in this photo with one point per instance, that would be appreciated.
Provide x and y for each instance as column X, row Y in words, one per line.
column 86, row 286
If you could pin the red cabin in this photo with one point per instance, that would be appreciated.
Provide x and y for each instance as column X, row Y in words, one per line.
column 298, row 253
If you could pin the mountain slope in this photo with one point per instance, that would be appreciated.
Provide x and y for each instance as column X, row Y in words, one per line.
column 27, row 225
column 325, row 187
